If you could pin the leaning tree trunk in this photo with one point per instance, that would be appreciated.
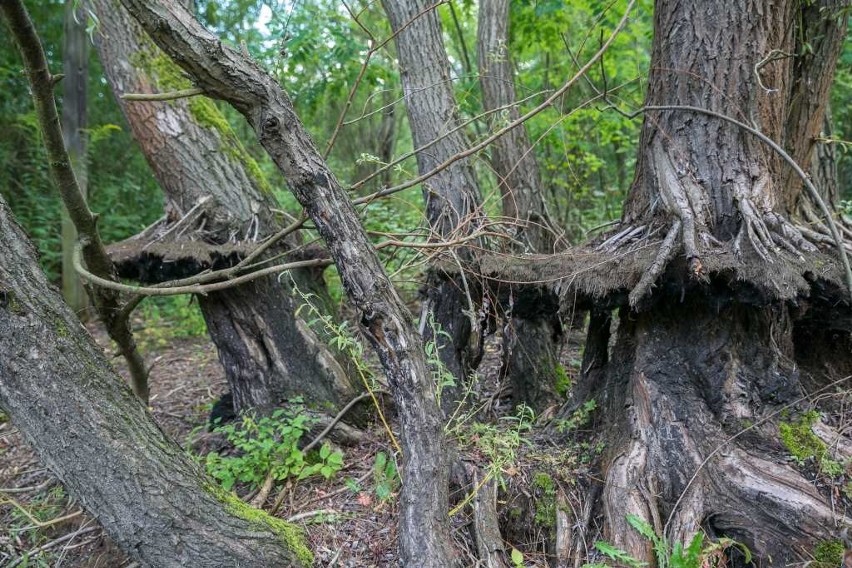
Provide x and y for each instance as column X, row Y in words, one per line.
column 100, row 441
column 214, row 188
column 707, row 354
column 453, row 203
column 530, row 344
column 425, row 539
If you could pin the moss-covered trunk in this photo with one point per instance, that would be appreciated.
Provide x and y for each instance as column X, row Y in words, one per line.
column 101, row 442
column 216, row 191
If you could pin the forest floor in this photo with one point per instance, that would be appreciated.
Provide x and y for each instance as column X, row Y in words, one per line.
column 349, row 520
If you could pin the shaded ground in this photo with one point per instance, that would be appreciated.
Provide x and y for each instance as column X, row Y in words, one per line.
column 349, row 520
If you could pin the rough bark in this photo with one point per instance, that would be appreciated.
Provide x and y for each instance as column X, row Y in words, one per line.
column 100, row 441
column 530, row 358
column 452, row 195
column 269, row 354
column 709, row 358
column 75, row 63
column 226, row 74
column 690, row 377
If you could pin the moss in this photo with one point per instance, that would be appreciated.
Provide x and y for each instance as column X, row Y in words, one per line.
column 292, row 536
column 562, row 382
column 545, row 512
column 828, row 554
column 9, row 301
column 209, row 116
column 61, row 328
column 170, row 77
column 799, row 439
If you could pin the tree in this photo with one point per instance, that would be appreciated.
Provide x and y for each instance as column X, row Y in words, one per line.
column 217, row 200
column 226, row 74
column 702, row 365
column 101, row 442
column 531, row 336
column 452, row 196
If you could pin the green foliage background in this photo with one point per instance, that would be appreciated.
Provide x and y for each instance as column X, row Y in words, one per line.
column 316, row 50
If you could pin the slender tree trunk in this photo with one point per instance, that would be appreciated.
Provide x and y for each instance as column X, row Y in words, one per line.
column 530, row 345
column 425, row 539
column 693, row 377
column 41, row 83
column 268, row 353
column 453, row 203
column 100, row 441
column 75, row 59
column 819, row 42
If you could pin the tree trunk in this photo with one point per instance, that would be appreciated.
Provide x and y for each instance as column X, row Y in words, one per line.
column 691, row 388
column 530, row 346
column 819, row 42
column 453, row 203
column 99, row 440
column 269, row 354
column 75, row 59
column 224, row 73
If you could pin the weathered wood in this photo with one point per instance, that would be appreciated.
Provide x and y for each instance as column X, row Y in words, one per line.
column 75, row 67
column 42, row 84
column 101, row 442
column 226, row 74
column 691, row 386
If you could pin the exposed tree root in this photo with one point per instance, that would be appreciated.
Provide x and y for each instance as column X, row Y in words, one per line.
column 684, row 382
column 665, row 254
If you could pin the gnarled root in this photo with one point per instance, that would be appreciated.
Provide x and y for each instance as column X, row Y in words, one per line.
column 691, row 396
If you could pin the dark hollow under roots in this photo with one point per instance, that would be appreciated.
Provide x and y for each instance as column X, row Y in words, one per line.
column 691, row 394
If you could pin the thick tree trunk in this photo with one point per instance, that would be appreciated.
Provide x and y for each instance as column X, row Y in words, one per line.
column 684, row 378
column 75, row 63
column 530, row 346
column 268, row 353
column 690, row 391
column 425, row 538
column 100, row 441
column 453, row 203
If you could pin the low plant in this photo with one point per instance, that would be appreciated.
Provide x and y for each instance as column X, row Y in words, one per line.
column 696, row 554
column 169, row 317
column 385, row 477
column 269, row 446
column 799, row 439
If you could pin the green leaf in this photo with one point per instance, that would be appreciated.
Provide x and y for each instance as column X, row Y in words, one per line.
column 517, row 557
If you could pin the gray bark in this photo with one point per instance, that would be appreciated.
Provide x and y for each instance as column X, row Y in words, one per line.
column 530, row 346
column 100, row 441
column 453, row 203
column 512, row 157
column 268, row 353
column 75, row 62
column 226, row 74
column 710, row 359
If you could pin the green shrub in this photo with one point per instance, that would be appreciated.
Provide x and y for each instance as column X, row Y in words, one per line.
column 269, row 445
